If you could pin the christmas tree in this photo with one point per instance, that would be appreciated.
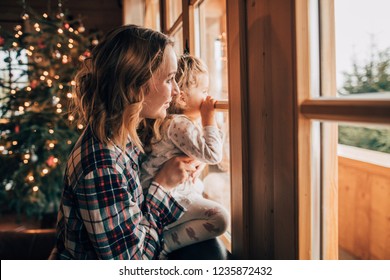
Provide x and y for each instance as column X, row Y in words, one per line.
column 38, row 64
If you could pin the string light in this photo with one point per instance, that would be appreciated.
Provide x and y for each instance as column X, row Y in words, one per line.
column 35, row 188
column 51, row 145
column 45, row 171
column 45, row 15
column 31, row 178
column 51, row 131
column 14, row 142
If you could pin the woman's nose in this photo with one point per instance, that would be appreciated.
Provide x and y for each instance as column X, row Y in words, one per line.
column 175, row 89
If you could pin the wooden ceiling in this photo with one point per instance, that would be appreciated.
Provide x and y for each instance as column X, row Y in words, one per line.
column 97, row 15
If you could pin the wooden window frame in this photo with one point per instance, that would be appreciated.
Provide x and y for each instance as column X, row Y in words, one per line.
column 324, row 108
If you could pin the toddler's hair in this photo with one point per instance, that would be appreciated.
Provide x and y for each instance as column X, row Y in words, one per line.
column 188, row 69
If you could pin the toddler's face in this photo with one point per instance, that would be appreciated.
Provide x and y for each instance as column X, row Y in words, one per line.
column 197, row 93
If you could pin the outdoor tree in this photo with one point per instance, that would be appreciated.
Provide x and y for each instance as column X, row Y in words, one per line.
column 371, row 77
column 38, row 63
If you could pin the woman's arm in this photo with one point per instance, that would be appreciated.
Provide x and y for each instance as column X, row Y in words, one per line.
column 110, row 207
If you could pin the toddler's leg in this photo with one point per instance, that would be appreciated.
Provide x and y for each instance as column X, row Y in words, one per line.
column 204, row 219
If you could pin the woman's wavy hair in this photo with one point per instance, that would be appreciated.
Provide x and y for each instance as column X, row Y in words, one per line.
column 112, row 82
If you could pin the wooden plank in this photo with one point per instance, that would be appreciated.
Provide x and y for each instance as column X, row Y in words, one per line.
column 303, row 130
column 364, row 209
column 236, row 38
column 329, row 134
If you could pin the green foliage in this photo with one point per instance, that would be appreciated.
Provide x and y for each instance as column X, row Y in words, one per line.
column 367, row 138
column 36, row 132
column 374, row 76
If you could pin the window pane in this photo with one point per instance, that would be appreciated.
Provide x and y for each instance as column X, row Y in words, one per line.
column 210, row 45
column 362, row 47
column 362, row 180
column 364, row 195
column 174, row 10
column 152, row 14
column 178, row 38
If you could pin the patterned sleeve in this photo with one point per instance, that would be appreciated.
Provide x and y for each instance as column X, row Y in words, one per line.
column 205, row 146
column 117, row 227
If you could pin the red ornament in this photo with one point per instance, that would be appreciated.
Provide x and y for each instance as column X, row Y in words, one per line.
column 33, row 84
column 2, row 41
column 87, row 53
column 50, row 161
column 17, row 128
column 66, row 25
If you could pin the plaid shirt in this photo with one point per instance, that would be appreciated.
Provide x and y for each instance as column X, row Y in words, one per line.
column 104, row 213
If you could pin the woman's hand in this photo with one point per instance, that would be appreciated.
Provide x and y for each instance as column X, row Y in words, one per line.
column 175, row 171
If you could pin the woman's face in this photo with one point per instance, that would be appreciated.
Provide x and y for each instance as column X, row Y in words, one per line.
column 162, row 87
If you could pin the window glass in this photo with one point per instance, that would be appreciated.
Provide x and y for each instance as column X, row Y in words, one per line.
column 174, row 10
column 362, row 40
column 152, row 14
column 363, row 194
column 211, row 46
column 17, row 61
column 178, row 38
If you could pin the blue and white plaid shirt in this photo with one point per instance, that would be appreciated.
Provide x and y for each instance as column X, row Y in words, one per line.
column 104, row 213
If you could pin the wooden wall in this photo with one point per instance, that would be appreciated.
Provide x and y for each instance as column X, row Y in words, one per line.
column 364, row 209
column 97, row 15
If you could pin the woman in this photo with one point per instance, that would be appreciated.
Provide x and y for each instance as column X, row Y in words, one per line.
column 104, row 214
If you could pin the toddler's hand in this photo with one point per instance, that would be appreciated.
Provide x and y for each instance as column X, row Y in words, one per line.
column 207, row 111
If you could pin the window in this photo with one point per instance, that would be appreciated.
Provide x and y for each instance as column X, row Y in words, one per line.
column 345, row 180
column 211, row 46
column 199, row 27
